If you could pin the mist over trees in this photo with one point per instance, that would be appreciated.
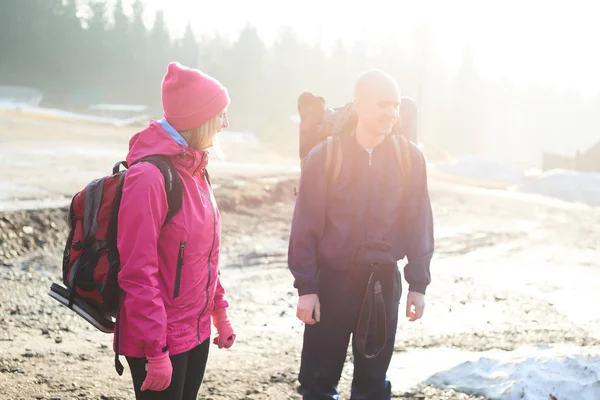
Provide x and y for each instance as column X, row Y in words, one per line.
column 85, row 52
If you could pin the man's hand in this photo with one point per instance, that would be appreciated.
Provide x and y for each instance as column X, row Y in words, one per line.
column 415, row 306
column 307, row 304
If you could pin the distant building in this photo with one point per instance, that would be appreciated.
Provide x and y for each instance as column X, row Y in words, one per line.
column 16, row 95
column 588, row 161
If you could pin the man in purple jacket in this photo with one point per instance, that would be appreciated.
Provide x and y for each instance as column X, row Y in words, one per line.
column 346, row 239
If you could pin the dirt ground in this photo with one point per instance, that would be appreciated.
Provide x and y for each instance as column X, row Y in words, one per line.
column 44, row 160
column 509, row 270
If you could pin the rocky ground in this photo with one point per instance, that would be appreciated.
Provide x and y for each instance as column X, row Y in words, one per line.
column 500, row 281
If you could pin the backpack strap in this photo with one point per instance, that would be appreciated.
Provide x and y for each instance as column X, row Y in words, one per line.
column 118, row 165
column 173, row 184
column 333, row 158
column 402, row 151
column 207, row 177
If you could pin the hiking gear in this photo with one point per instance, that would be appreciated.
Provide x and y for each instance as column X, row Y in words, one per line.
column 91, row 258
column 226, row 335
column 371, row 330
column 169, row 275
column 325, row 344
column 318, row 124
column 366, row 203
column 190, row 97
column 372, row 318
column 408, row 122
column 186, row 379
column 100, row 321
column 158, row 375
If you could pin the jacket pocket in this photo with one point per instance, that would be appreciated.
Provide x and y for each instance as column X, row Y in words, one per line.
column 180, row 262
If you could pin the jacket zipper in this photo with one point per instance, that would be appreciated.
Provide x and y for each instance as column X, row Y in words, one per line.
column 199, row 165
column 180, row 262
column 209, row 258
column 370, row 158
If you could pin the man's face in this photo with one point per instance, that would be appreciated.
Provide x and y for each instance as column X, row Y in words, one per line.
column 378, row 108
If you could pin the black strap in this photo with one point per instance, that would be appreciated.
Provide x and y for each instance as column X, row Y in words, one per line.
column 117, row 167
column 372, row 318
column 67, row 251
column 207, row 177
column 173, row 184
column 72, row 295
column 118, row 365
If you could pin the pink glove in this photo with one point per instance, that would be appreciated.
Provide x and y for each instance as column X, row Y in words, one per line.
column 158, row 377
column 226, row 335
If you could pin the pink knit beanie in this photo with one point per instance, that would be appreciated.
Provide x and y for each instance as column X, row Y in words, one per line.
column 190, row 97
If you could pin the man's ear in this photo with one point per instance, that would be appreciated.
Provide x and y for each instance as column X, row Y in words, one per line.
column 356, row 103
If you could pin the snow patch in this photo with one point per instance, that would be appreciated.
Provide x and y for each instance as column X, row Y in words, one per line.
column 574, row 186
column 62, row 114
column 529, row 373
column 475, row 167
column 9, row 190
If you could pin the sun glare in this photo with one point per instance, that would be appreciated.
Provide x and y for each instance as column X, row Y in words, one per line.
column 527, row 42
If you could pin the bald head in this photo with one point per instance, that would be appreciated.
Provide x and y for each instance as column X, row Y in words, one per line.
column 377, row 102
column 373, row 81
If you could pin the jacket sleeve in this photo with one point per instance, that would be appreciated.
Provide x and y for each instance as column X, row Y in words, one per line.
column 219, row 299
column 418, row 227
column 142, row 213
column 308, row 223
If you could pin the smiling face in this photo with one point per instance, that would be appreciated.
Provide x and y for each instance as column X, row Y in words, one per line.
column 377, row 102
column 205, row 136
column 220, row 122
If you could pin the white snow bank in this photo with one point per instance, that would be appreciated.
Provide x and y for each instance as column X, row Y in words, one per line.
column 565, row 185
column 11, row 190
column 529, row 373
column 20, row 94
column 571, row 186
column 20, row 205
column 475, row 167
column 56, row 113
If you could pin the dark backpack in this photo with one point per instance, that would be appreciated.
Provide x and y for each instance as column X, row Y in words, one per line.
column 91, row 261
column 320, row 123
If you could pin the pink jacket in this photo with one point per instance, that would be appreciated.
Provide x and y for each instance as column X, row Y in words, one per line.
column 169, row 275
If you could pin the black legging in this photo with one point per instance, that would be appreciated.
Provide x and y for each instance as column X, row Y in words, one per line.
column 188, row 372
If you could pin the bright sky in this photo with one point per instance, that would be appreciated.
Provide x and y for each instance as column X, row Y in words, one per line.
column 528, row 41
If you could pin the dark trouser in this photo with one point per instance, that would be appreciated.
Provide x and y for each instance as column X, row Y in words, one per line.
column 325, row 347
column 188, row 372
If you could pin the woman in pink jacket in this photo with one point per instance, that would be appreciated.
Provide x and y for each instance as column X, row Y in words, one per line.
column 170, row 274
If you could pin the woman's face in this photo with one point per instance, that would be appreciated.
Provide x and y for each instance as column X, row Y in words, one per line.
column 202, row 141
column 222, row 122
column 211, row 140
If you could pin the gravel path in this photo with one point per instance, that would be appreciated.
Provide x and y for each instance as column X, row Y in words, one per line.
column 508, row 272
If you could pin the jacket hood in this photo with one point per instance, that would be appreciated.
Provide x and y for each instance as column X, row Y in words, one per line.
column 154, row 140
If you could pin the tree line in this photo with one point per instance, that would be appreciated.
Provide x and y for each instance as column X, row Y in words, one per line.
column 84, row 52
